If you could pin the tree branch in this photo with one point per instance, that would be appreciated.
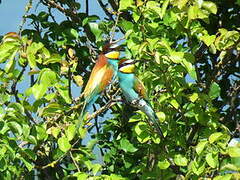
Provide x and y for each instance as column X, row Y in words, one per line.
column 15, row 93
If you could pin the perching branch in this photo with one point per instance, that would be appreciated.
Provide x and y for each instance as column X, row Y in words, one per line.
column 102, row 109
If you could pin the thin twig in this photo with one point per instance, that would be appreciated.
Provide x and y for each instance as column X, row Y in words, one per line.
column 69, row 83
column 60, row 158
column 102, row 109
column 114, row 28
column 75, row 163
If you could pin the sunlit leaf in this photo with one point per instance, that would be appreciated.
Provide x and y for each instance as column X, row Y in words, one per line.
column 211, row 160
column 214, row 137
column 127, row 146
column 64, row 144
column 180, row 160
column 234, row 151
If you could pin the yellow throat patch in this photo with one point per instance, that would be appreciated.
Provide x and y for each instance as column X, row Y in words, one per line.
column 127, row 69
column 113, row 55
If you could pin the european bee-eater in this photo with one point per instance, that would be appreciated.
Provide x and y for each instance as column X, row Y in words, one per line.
column 103, row 72
column 134, row 91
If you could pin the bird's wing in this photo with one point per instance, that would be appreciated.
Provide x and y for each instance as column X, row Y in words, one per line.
column 140, row 89
column 100, row 77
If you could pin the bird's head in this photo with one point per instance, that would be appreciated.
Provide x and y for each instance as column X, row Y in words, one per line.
column 112, row 51
column 126, row 66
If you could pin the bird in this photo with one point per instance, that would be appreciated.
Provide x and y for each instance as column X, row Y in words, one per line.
column 103, row 72
column 134, row 91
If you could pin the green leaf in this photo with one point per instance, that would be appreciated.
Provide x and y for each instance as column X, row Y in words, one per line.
column 161, row 116
column 39, row 90
column 96, row 31
column 70, row 132
column 180, row 160
column 210, row 6
column 82, row 132
column 136, row 117
column 17, row 106
column 31, row 52
column 55, row 131
column 126, row 145
column 41, row 132
column 234, row 151
column 27, row 164
column 141, row 130
column 50, row 109
column 200, row 146
column 164, row 8
column 214, row 137
column 3, row 165
column 9, row 67
column 174, row 103
column 193, row 97
column 176, row 57
column 64, row 144
column 54, row 58
column 208, row 40
column 32, row 139
column 81, row 176
column 224, row 177
column 96, row 168
column 193, row 12
column 212, row 161
column 214, row 91
column 190, row 68
column 30, row 154
column 63, row 91
column 163, row 164
column 74, row 33
column 47, row 77
column 7, row 49
column 197, row 168
column 125, row 4
column 15, row 127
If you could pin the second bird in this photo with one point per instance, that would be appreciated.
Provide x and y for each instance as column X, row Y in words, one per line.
column 135, row 93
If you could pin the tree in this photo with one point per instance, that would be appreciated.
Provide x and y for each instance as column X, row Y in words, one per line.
column 188, row 58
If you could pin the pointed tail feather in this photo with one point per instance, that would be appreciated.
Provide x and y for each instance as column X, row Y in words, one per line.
column 80, row 118
column 155, row 121
column 147, row 109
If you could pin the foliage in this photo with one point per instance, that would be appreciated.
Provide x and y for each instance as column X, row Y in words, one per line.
column 188, row 58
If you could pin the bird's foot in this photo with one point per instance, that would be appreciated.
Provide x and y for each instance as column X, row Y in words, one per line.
column 138, row 103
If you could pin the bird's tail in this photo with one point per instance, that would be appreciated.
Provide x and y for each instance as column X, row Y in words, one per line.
column 80, row 118
column 156, row 123
column 154, row 119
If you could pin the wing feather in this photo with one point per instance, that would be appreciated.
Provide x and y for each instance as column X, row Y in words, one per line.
column 100, row 77
column 139, row 88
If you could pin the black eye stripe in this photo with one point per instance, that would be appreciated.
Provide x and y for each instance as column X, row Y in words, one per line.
column 125, row 64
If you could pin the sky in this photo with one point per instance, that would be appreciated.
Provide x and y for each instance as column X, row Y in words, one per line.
column 11, row 12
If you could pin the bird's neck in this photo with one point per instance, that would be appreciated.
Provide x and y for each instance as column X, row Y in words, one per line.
column 125, row 76
column 114, row 63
